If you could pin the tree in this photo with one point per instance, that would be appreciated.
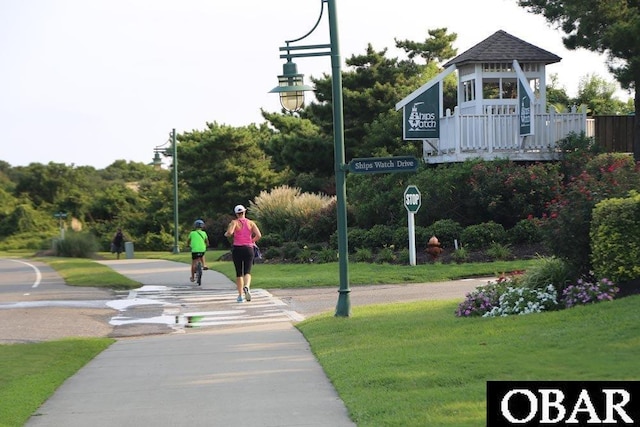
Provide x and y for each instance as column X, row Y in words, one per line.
column 223, row 166
column 557, row 96
column 301, row 152
column 611, row 27
column 438, row 47
column 373, row 83
column 124, row 171
column 597, row 94
column 371, row 86
column 57, row 187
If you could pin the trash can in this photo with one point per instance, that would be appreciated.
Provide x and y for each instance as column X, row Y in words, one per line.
column 128, row 250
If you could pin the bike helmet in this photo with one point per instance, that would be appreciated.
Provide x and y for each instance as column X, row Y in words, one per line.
column 198, row 224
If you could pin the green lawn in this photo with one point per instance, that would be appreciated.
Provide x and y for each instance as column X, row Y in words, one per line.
column 270, row 276
column 31, row 373
column 416, row 364
column 410, row 364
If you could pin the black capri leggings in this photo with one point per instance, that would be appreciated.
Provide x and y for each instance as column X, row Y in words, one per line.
column 242, row 259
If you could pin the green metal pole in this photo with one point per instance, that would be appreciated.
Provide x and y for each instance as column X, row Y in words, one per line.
column 343, row 308
column 176, row 237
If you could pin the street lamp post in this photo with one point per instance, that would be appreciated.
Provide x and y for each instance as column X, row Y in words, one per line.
column 156, row 162
column 291, row 89
column 176, row 237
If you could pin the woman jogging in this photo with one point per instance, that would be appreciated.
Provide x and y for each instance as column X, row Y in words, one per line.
column 245, row 234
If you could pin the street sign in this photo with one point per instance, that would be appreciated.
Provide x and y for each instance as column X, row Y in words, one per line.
column 412, row 200
column 384, row 164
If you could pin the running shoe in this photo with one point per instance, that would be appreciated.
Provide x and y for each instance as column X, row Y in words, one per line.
column 239, row 299
column 247, row 294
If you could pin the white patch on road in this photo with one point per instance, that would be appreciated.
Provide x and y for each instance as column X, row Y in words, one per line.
column 164, row 319
column 124, row 304
column 180, row 307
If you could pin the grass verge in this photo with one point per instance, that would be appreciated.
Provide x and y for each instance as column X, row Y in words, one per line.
column 86, row 272
column 270, row 276
column 32, row 372
column 416, row 364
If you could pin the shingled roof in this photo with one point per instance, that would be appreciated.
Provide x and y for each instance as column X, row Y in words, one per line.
column 501, row 47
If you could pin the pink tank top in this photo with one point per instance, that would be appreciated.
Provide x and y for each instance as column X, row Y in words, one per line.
column 242, row 237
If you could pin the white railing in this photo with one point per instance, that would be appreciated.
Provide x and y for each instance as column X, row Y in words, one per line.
column 489, row 133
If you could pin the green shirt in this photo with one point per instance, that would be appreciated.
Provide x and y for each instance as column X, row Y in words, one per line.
column 197, row 239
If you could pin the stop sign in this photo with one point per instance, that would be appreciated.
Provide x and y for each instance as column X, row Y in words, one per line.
column 412, row 200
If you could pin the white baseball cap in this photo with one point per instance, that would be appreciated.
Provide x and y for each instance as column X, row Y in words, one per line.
column 239, row 208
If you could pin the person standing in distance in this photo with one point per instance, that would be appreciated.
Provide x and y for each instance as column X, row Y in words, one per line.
column 245, row 234
column 198, row 241
column 117, row 243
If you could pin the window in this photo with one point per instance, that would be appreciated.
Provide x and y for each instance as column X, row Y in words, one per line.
column 469, row 88
column 491, row 89
column 509, row 88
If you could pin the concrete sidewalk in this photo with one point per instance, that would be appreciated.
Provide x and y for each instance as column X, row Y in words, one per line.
column 259, row 375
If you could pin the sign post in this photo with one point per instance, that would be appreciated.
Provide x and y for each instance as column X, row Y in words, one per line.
column 61, row 216
column 383, row 164
column 412, row 202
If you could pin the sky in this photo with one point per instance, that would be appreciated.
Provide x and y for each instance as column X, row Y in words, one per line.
column 86, row 83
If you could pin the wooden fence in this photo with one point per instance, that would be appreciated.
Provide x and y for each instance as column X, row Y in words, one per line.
column 615, row 133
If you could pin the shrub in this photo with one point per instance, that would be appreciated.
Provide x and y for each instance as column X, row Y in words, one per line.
column 305, row 255
column 379, row 236
column 357, row 238
column 77, row 245
column 521, row 300
column 401, row 237
column 446, row 230
column 29, row 240
column 403, row 256
column 549, row 271
column 498, row 251
column 377, row 199
column 423, row 234
column 271, row 240
column 327, row 255
column 320, row 224
column 460, row 255
column 567, row 222
column 216, row 228
column 386, row 255
column 363, row 255
column 589, row 290
column 290, row 250
column 285, row 210
column 480, row 236
column 577, row 150
column 156, row 242
column 615, row 238
column 505, row 192
column 271, row 253
column 525, row 231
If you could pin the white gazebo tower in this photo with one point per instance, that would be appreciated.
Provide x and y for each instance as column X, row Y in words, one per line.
column 501, row 106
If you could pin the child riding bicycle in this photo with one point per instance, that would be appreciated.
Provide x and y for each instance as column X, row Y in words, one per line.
column 198, row 241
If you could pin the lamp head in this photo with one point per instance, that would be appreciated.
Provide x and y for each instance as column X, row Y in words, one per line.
column 291, row 87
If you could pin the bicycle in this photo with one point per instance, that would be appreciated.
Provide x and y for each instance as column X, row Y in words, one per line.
column 199, row 269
